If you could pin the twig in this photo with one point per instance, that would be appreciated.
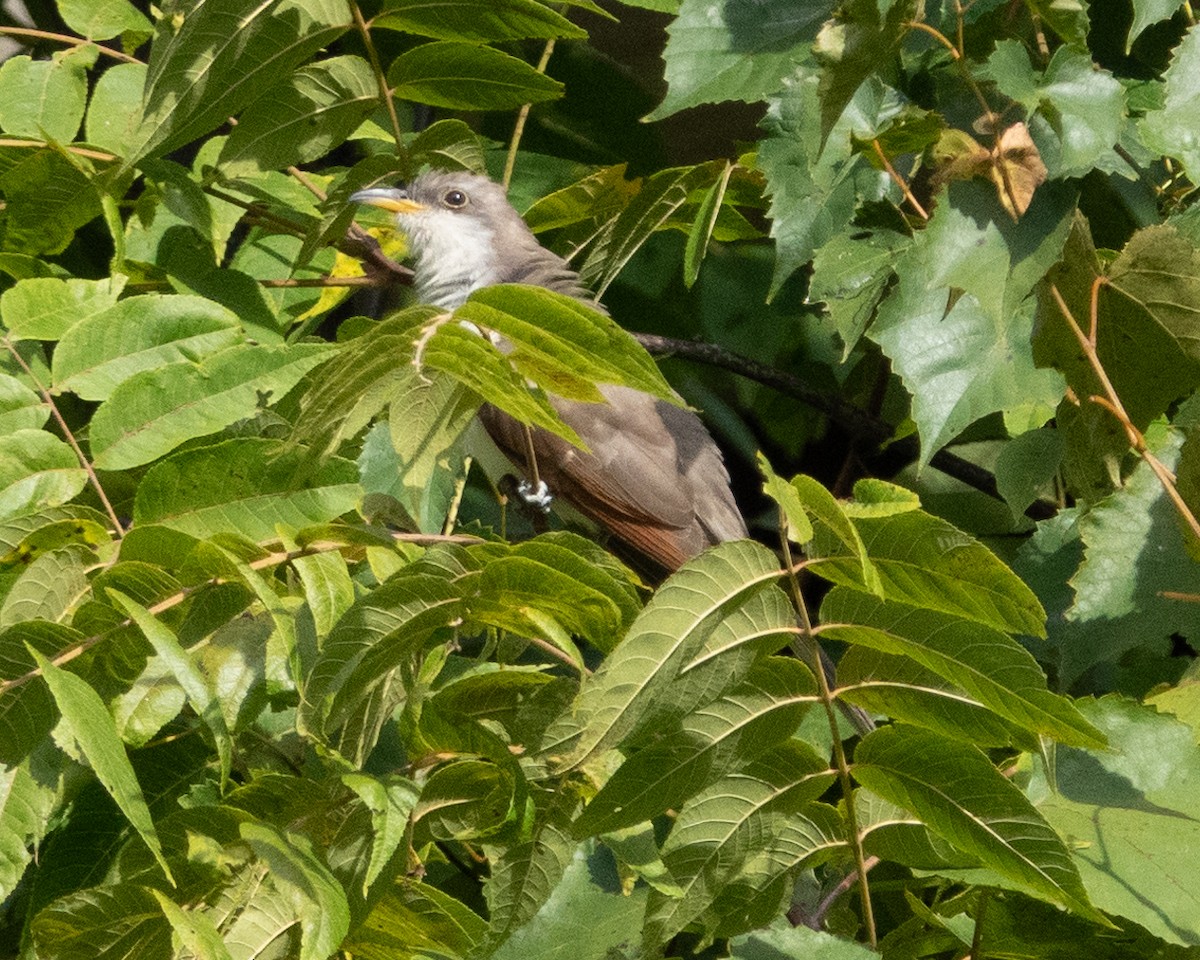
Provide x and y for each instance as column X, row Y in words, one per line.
column 810, row 644
column 308, row 185
column 66, row 38
column 385, row 93
column 850, row 417
column 325, row 282
column 271, row 560
column 79, row 151
column 816, row 919
column 898, row 180
column 1112, row 403
column 118, row 529
column 510, row 161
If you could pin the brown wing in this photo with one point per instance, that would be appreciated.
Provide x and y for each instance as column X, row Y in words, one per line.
column 652, row 477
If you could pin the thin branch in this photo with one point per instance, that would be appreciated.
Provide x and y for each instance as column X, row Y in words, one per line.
column 325, row 282
column 898, row 180
column 118, row 529
column 271, row 560
column 385, row 92
column 308, row 185
column 78, row 151
column 816, row 920
column 510, row 161
column 1112, row 403
column 808, row 645
column 66, row 38
column 846, row 415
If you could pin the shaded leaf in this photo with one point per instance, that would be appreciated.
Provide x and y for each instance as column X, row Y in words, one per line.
column 156, row 410
column 301, row 119
column 91, row 725
column 101, row 351
column 482, row 21
column 245, row 486
column 668, row 633
column 954, row 789
column 463, row 76
column 734, row 51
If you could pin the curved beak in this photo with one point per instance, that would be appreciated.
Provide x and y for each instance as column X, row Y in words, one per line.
column 387, row 198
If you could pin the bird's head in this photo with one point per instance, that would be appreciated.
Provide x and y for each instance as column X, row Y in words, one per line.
column 464, row 235
column 458, row 225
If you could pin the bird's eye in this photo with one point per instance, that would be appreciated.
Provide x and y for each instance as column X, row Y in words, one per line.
column 455, row 199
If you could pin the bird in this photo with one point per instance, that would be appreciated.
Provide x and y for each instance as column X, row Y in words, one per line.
column 652, row 477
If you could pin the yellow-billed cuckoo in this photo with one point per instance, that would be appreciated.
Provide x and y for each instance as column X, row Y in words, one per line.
column 653, row 477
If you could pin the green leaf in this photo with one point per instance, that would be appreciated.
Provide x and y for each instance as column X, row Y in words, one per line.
column 416, row 917
column 899, row 687
column 43, row 308
column 1080, row 108
column 790, row 504
column 45, row 99
column 360, row 380
column 811, row 187
column 21, row 408
column 762, row 711
column 734, row 51
column 1027, row 467
column 925, row 562
column 1131, row 813
column 557, row 338
column 37, row 470
column 372, row 638
column 1108, row 610
column 702, row 227
column 964, row 355
column 669, row 633
column 525, row 873
column 850, row 274
column 50, row 587
column 48, row 199
column 1146, row 13
column 861, row 39
column 1171, row 130
column 465, row 799
column 313, row 893
column 156, row 410
column 112, row 919
column 798, row 941
column 482, row 21
column 28, row 799
column 195, row 930
column 424, row 457
column 103, row 350
column 953, row 788
column 759, row 819
column 189, row 676
column 589, row 888
column 103, row 19
column 992, row 668
column 463, row 76
column 247, row 486
column 27, row 712
column 221, row 57
column 301, row 119
column 660, row 196
column 89, row 722
column 835, row 525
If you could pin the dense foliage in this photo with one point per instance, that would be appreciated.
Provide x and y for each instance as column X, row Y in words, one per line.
column 281, row 677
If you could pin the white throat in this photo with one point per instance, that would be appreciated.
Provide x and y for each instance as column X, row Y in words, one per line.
column 454, row 253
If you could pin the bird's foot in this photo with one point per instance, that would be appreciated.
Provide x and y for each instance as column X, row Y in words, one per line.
column 536, row 495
